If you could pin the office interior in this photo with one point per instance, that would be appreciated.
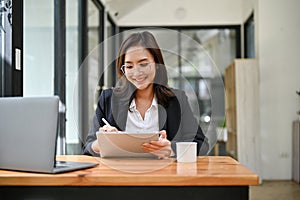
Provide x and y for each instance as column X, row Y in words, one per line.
column 49, row 46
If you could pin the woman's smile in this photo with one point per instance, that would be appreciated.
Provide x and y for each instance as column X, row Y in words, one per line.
column 140, row 82
column 140, row 79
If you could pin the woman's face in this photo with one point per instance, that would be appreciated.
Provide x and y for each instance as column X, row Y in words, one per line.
column 139, row 67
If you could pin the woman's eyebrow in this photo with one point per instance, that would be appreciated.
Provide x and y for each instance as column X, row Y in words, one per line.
column 144, row 59
column 141, row 60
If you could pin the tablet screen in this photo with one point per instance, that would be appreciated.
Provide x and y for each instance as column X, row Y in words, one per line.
column 124, row 144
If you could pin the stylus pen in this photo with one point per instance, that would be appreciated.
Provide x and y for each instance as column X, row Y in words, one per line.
column 160, row 137
column 106, row 122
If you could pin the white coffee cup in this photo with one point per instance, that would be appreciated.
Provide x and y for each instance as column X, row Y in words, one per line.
column 186, row 151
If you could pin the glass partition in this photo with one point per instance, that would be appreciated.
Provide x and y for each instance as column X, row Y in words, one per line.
column 192, row 53
column 196, row 60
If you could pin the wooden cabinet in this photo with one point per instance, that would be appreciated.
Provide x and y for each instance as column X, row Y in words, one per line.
column 242, row 112
column 230, row 110
column 296, row 151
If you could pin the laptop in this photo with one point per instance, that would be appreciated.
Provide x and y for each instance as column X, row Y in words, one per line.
column 124, row 144
column 28, row 135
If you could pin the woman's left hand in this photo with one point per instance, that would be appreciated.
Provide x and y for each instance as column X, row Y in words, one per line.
column 161, row 148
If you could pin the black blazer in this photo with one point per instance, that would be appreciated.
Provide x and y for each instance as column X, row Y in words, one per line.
column 176, row 118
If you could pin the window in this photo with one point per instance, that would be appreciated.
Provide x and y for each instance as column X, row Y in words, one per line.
column 249, row 37
column 110, row 71
column 38, row 48
column 84, row 31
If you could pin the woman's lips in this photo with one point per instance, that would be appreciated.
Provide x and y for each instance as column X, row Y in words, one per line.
column 140, row 79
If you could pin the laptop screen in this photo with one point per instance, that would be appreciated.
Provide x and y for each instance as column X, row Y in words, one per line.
column 28, row 133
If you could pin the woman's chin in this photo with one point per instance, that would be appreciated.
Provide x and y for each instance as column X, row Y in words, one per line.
column 142, row 86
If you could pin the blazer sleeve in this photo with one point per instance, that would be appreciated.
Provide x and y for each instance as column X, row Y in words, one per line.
column 102, row 110
column 189, row 128
column 87, row 149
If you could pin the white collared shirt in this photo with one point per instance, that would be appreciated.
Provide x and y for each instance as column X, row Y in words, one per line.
column 135, row 122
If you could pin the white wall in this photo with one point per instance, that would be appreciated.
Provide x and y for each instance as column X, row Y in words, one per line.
column 277, row 30
column 186, row 13
column 278, row 52
column 248, row 7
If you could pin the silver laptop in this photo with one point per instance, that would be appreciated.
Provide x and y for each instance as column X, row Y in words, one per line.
column 28, row 133
column 123, row 144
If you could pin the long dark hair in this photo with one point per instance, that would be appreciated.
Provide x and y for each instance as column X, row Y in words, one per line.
column 160, row 83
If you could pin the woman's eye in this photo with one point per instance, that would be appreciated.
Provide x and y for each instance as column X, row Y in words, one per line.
column 128, row 66
column 144, row 64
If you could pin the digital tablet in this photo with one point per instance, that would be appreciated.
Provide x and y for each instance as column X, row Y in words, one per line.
column 124, row 144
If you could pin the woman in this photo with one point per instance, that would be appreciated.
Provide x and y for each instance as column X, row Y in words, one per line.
column 144, row 102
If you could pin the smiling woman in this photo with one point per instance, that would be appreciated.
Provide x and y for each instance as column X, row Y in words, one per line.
column 143, row 101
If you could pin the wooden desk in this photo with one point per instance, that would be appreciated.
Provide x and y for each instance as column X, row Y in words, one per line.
column 212, row 177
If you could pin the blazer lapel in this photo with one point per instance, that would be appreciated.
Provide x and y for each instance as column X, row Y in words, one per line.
column 122, row 116
column 120, row 111
column 162, row 117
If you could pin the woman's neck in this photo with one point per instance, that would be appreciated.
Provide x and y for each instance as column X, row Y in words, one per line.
column 147, row 93
column 143, row 100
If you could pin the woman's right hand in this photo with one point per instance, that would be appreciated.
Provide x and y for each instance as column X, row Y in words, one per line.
column 105, row 128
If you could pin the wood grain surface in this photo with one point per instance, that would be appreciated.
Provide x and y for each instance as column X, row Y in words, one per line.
column 207, row 171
